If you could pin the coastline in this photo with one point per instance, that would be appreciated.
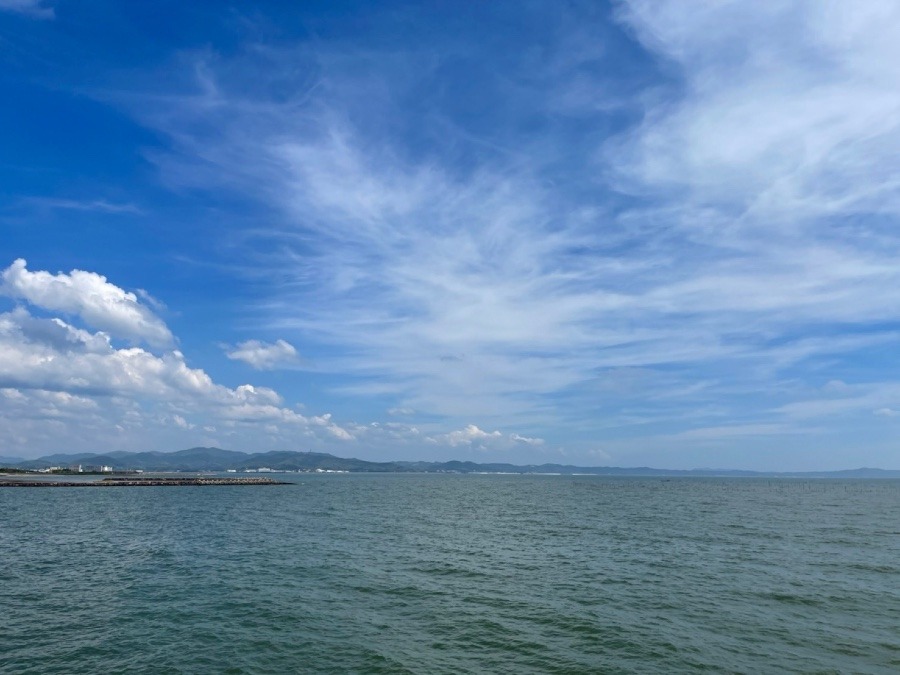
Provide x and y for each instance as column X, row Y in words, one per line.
column 145, row 482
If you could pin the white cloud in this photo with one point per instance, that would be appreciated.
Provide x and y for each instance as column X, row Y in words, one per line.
column 887, row 412
column 181, row 422
column 470, row 435
column 83, row 388
column 837, row 400
column 786, row 115
column 736, row 235
column 91, row 205
column 401, row 412
column 34, row 8
column 332, row 428
column 49, row 354
column 598, row 454
column 264, row 356
column 733, row 431
column 90, row 296
column 778, row 98
column 408, row 261
column 527, row 441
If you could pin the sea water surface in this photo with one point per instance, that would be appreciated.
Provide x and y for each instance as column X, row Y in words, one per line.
column 455, row 574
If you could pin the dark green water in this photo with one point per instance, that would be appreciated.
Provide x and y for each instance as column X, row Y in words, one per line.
column 429, row 573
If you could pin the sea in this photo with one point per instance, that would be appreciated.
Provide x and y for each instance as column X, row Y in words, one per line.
column 427, row 573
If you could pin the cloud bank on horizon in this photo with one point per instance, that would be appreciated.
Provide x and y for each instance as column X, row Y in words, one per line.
column 642, row 233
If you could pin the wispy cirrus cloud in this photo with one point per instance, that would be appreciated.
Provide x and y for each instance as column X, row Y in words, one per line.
column 776, row 152
column 786, row 125
column 727, row 224
column 36, row 9
column 87, row 205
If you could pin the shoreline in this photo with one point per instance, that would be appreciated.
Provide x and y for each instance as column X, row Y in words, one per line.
column 144, row 482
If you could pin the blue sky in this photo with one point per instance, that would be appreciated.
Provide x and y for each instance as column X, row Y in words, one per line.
column 637, row 233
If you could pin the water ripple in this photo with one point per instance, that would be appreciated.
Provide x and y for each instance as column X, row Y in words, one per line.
column 462, row 574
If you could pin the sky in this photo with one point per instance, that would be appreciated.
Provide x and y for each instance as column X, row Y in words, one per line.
column 630, row 234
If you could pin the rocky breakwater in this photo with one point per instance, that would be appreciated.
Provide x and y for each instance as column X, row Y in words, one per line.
column 150, row 481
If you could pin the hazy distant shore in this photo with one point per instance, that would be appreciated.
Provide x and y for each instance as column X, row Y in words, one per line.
column 143, row 482
column 219, row 460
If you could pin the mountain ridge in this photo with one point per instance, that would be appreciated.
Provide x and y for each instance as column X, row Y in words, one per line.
column 216, row 459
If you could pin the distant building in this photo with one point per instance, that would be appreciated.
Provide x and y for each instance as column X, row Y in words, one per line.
column 97, row 468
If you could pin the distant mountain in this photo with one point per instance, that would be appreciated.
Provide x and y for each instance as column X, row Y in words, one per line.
column 850, row 473
column 56, row 460
column 10, row 461
column 216, row 459
column 192, row 459
column 292, row 461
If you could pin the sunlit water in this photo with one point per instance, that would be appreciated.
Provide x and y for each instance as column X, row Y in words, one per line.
column 444, row 573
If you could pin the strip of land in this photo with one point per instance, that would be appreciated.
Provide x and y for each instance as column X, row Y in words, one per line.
column 144, row 482
column 205, row 460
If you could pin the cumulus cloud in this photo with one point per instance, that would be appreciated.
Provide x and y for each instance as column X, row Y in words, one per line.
column 469, row 435
column 474, row 437
column 55, row 371
column 59, row 359
column 332, row 428
column 91, row 297
column 49, row 354
column 264, row 356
